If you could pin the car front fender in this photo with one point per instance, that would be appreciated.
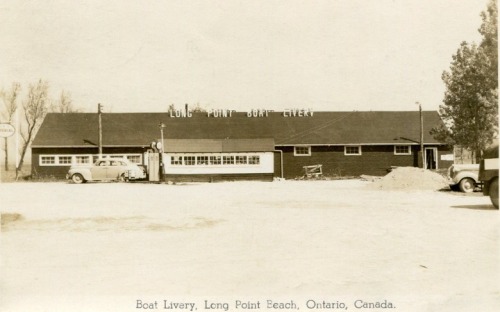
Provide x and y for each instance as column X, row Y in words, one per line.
column 466, row 174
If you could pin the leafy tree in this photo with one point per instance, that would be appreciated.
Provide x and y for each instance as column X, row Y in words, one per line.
column 10, row 105
column 489, row 31
column 470, row 104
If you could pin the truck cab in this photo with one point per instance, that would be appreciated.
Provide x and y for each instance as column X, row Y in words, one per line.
column 488, row 174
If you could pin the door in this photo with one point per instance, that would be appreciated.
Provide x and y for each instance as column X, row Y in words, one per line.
column 115, row 169
column 99, row 171
column 431, row 158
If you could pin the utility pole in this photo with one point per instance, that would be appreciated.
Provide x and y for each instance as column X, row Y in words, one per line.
column 162, row 148
column 99, row 142
column 424, row 165
column 18, row 130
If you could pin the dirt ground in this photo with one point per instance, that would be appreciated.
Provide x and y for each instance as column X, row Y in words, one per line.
column 125, row 246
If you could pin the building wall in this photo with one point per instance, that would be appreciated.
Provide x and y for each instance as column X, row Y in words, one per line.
column 59, row 171
column 374, row 160
column 217, row 177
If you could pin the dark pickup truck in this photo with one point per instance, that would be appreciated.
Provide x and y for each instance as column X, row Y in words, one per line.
column 488, row 174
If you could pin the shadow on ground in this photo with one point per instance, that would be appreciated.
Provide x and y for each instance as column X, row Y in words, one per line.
column 475, row 207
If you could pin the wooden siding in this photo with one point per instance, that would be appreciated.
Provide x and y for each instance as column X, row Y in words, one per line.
column 59, row 172
column 374, row 160
column 217, row 177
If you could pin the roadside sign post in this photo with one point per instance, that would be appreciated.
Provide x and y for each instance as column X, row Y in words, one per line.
column 6, row 130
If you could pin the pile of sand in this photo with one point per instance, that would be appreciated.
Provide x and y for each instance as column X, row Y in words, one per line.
column 410, row 178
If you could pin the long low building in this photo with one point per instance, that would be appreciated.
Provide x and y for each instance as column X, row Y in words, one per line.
column 228, row 145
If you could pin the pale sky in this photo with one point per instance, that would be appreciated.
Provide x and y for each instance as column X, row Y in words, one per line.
column 141, row 56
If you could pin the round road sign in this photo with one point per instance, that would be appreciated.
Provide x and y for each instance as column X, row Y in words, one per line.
column 6, row 130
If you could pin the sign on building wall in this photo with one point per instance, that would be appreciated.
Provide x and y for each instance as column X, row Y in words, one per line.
column 449, row 157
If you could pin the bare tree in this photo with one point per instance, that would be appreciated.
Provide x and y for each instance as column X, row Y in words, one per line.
column 196, row 109
column 9, row 99
column 35, row 108
column 199, row 109
column 64, row 104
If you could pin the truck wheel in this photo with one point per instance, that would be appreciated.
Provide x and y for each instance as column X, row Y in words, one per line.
column 77, row 178
column 494, row 192
column 466, row 185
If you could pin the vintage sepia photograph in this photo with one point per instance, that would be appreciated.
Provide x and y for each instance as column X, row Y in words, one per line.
column 224, row 155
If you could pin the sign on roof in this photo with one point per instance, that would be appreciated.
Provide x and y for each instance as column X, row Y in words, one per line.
column 6, row 130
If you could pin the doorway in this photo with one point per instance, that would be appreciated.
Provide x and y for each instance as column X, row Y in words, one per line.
column 431, row 158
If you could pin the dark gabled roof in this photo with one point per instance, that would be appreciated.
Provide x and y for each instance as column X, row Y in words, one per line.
column 323, row 128
column 218, row 146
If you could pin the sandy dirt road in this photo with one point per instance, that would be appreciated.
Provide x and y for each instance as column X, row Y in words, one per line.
column 106, row 247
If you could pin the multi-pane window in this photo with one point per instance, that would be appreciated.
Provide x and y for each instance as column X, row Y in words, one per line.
column 215, row 160
column 65, row 160
column 241, row 160
column 253, row 160
column 136, row 159
column 302, row 151
column 202, row 160
column 228, row 160
column 176, row 160
column 352, row 150
column 47, row 160
column 82, row 159
column 402, row 150
column 68, row 160
column 189, row 160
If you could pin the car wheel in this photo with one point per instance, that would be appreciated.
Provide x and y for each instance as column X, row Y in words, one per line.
column 494, row 192
column 466, row 185
column 122, row 178
column 77, row 178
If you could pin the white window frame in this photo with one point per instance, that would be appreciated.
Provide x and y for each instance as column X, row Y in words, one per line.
column 295, row 153
column 90, row 157
column 65, row 163
column 397, row 153
column 189, row 160
column 215, row 158
column 240, row 160
column 41, row 161
column 176, row 160
column 226, row 158
column 122, row 156
column 352, row 154
column 205, row 162
column 256, row 159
